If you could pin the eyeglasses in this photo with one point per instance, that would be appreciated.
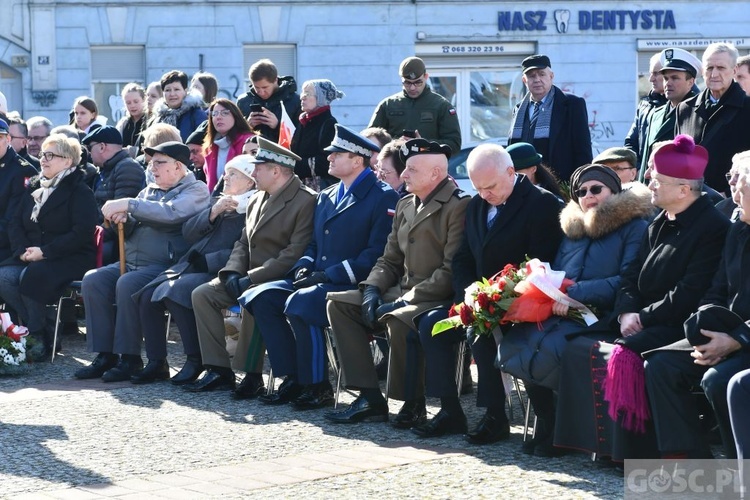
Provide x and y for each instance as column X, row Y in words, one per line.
column 413, row 84
column 49, row 155
column 17, row 137
column 656, row 183
column 595, row 190
column 223, row 112
column 385, row 172
column 159, row 163
column 37, row 138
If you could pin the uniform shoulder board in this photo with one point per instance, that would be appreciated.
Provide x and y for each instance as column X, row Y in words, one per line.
column 24, row 162
column 459, row 193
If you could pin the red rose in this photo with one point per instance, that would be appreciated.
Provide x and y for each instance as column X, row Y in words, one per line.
column 452, row 311
column 509, row 268
column 487, row 324
column 483, row 300
column 491, row 309
column 467, row 315
column 501, row 285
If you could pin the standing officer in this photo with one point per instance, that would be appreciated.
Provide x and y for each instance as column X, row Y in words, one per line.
column 413, row 276
column 13, row 172
column 418, row 109
column 277, row 230
column 350, row 227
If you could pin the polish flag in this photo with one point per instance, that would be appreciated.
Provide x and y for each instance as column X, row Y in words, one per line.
column 286, row 129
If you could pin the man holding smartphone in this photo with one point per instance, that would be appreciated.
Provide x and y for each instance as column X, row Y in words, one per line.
column 261, row 105
column 417, row 111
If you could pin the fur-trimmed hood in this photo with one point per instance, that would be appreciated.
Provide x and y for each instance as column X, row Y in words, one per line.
column 634, row 202
column 192, row 100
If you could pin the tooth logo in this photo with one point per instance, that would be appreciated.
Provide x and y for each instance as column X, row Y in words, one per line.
column 561, row 20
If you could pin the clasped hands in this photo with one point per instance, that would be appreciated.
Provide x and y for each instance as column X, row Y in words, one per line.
column 116, row 211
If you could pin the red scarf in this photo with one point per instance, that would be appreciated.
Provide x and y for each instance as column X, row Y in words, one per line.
column 305, row 117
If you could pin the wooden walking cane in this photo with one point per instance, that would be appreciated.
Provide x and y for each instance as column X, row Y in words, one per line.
column 121, row 243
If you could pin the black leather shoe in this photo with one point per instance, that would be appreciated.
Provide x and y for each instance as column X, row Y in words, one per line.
column 102, row 362
column 128, row 366
column 288, row 390
column 155, row 370
column 361, row 410
column 441, row 424
column 190, row 371
column 251, row 387
column 314, row 396
column 213, row 380
column 490, row 429
column 412, row 414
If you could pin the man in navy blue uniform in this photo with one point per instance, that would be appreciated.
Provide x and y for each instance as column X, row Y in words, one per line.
column 351, row 224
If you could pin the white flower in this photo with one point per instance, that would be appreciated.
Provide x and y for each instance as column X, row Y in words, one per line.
column 21, row 357
column 471, row 292
column 9, row 360
column 3, row 352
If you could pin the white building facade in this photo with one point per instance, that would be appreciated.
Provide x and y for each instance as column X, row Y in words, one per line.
column 54, row 51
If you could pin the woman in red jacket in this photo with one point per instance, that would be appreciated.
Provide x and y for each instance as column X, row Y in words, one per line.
column 226, row 133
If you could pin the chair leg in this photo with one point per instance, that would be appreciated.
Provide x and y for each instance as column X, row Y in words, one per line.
column 460, row 366
column 169, row 323
column 271, row 382
column 57, row 329
column 333, row 363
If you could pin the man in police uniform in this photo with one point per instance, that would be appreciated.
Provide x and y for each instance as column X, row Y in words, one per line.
column 418, row 109
column 278, row 228
column 679, row 69
column 13, row 173
column 413, row 275
column 351, row 224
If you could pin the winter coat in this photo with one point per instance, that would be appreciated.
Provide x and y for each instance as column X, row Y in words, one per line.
column 13, row 173
column 119, row 177
column 636, row 138
column 131, row 130
column 212, row 240
column 155, row 218
column 64, row 231
column 597, row 247
column 286, row 93
column 210, row 166
column 308, row 142
column 187, row 118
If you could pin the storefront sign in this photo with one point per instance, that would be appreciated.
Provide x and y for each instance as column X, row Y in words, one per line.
column 588, row 20
column 476, row 49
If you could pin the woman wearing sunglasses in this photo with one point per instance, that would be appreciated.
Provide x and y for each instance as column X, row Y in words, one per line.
column 603, row 227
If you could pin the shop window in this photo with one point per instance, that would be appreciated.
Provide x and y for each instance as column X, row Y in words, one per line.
column 283, row 56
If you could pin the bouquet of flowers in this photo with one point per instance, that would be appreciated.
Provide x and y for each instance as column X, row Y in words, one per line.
column 13, row 358
column 514, row 295
column 485, row 303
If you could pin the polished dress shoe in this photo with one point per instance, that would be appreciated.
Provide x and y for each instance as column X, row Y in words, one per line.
column 102, row 362
column 361, row 410
column 190, row 371
column 314, row 396
column 441, row 424
column 213, row 380
column 128, row 366
column 412, row 414
column 155, row 370
column 251, row 387
column 288, row 390
column 490, row 429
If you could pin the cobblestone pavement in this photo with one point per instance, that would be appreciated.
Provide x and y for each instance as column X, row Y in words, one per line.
column 64, row 438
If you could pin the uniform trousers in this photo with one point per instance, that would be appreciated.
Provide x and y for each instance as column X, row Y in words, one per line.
column 153, row 322
column 670, row 376
column 440, row 354
column 112, row 320
column 209, row 300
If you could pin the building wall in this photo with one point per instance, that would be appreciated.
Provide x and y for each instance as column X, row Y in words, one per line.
column 357, row 44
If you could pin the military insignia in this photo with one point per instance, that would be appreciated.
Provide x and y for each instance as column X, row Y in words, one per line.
column 668, row 54
column 404, row 150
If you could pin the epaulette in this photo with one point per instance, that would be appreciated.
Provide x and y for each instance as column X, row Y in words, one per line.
column 459, row 193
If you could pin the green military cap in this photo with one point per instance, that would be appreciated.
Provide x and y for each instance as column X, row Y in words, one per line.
column 270, row 152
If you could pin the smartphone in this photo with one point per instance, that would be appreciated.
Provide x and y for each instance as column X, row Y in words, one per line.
column 409, row 133
column 256, row 108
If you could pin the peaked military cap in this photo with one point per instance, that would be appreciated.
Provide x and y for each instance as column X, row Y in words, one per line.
column 270, row 152
column 348, row 141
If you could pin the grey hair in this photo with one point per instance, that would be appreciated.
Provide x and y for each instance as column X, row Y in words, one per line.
column 718, row 48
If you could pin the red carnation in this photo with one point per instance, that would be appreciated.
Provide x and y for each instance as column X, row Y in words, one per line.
column 483, row 300
column 467, row 315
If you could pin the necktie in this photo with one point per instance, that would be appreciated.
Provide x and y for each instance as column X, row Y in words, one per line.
column 534, row 114
column 492, row 215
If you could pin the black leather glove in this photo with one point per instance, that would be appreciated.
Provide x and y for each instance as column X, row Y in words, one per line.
column 302, row 272
column 388, row 307
column 232, row 284
column 198, row 261
column 311, row 279
column 371, row 300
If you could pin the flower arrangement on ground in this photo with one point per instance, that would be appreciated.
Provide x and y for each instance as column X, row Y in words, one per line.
column 13, row 359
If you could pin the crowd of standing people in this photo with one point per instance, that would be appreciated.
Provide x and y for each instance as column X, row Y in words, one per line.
column 364, row 235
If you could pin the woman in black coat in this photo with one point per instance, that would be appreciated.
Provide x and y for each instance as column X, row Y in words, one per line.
column 52, row 236
column 315, row 132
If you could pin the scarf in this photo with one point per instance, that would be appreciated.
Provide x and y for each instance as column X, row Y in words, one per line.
column 170, row 116
column 41, row 195
column 541, row 131
column 242, row 200
column 306, row 117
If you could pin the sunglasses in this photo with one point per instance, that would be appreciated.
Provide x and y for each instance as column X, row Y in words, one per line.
column 595, row 190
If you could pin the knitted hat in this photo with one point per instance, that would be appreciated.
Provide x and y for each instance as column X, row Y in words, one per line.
column 242, row 164
column 681, row 159
column 325, row 91
column 594, row 172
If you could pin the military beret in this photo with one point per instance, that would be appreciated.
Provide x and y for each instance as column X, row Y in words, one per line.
column 412, row 68
column 416, row 147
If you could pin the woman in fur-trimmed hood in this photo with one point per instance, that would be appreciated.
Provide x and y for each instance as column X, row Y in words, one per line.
column 603, row 225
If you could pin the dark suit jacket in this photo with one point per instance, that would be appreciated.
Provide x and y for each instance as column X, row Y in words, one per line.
column 569, row 135
column 723, row 133
column 13, row 172
column 528, row 224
